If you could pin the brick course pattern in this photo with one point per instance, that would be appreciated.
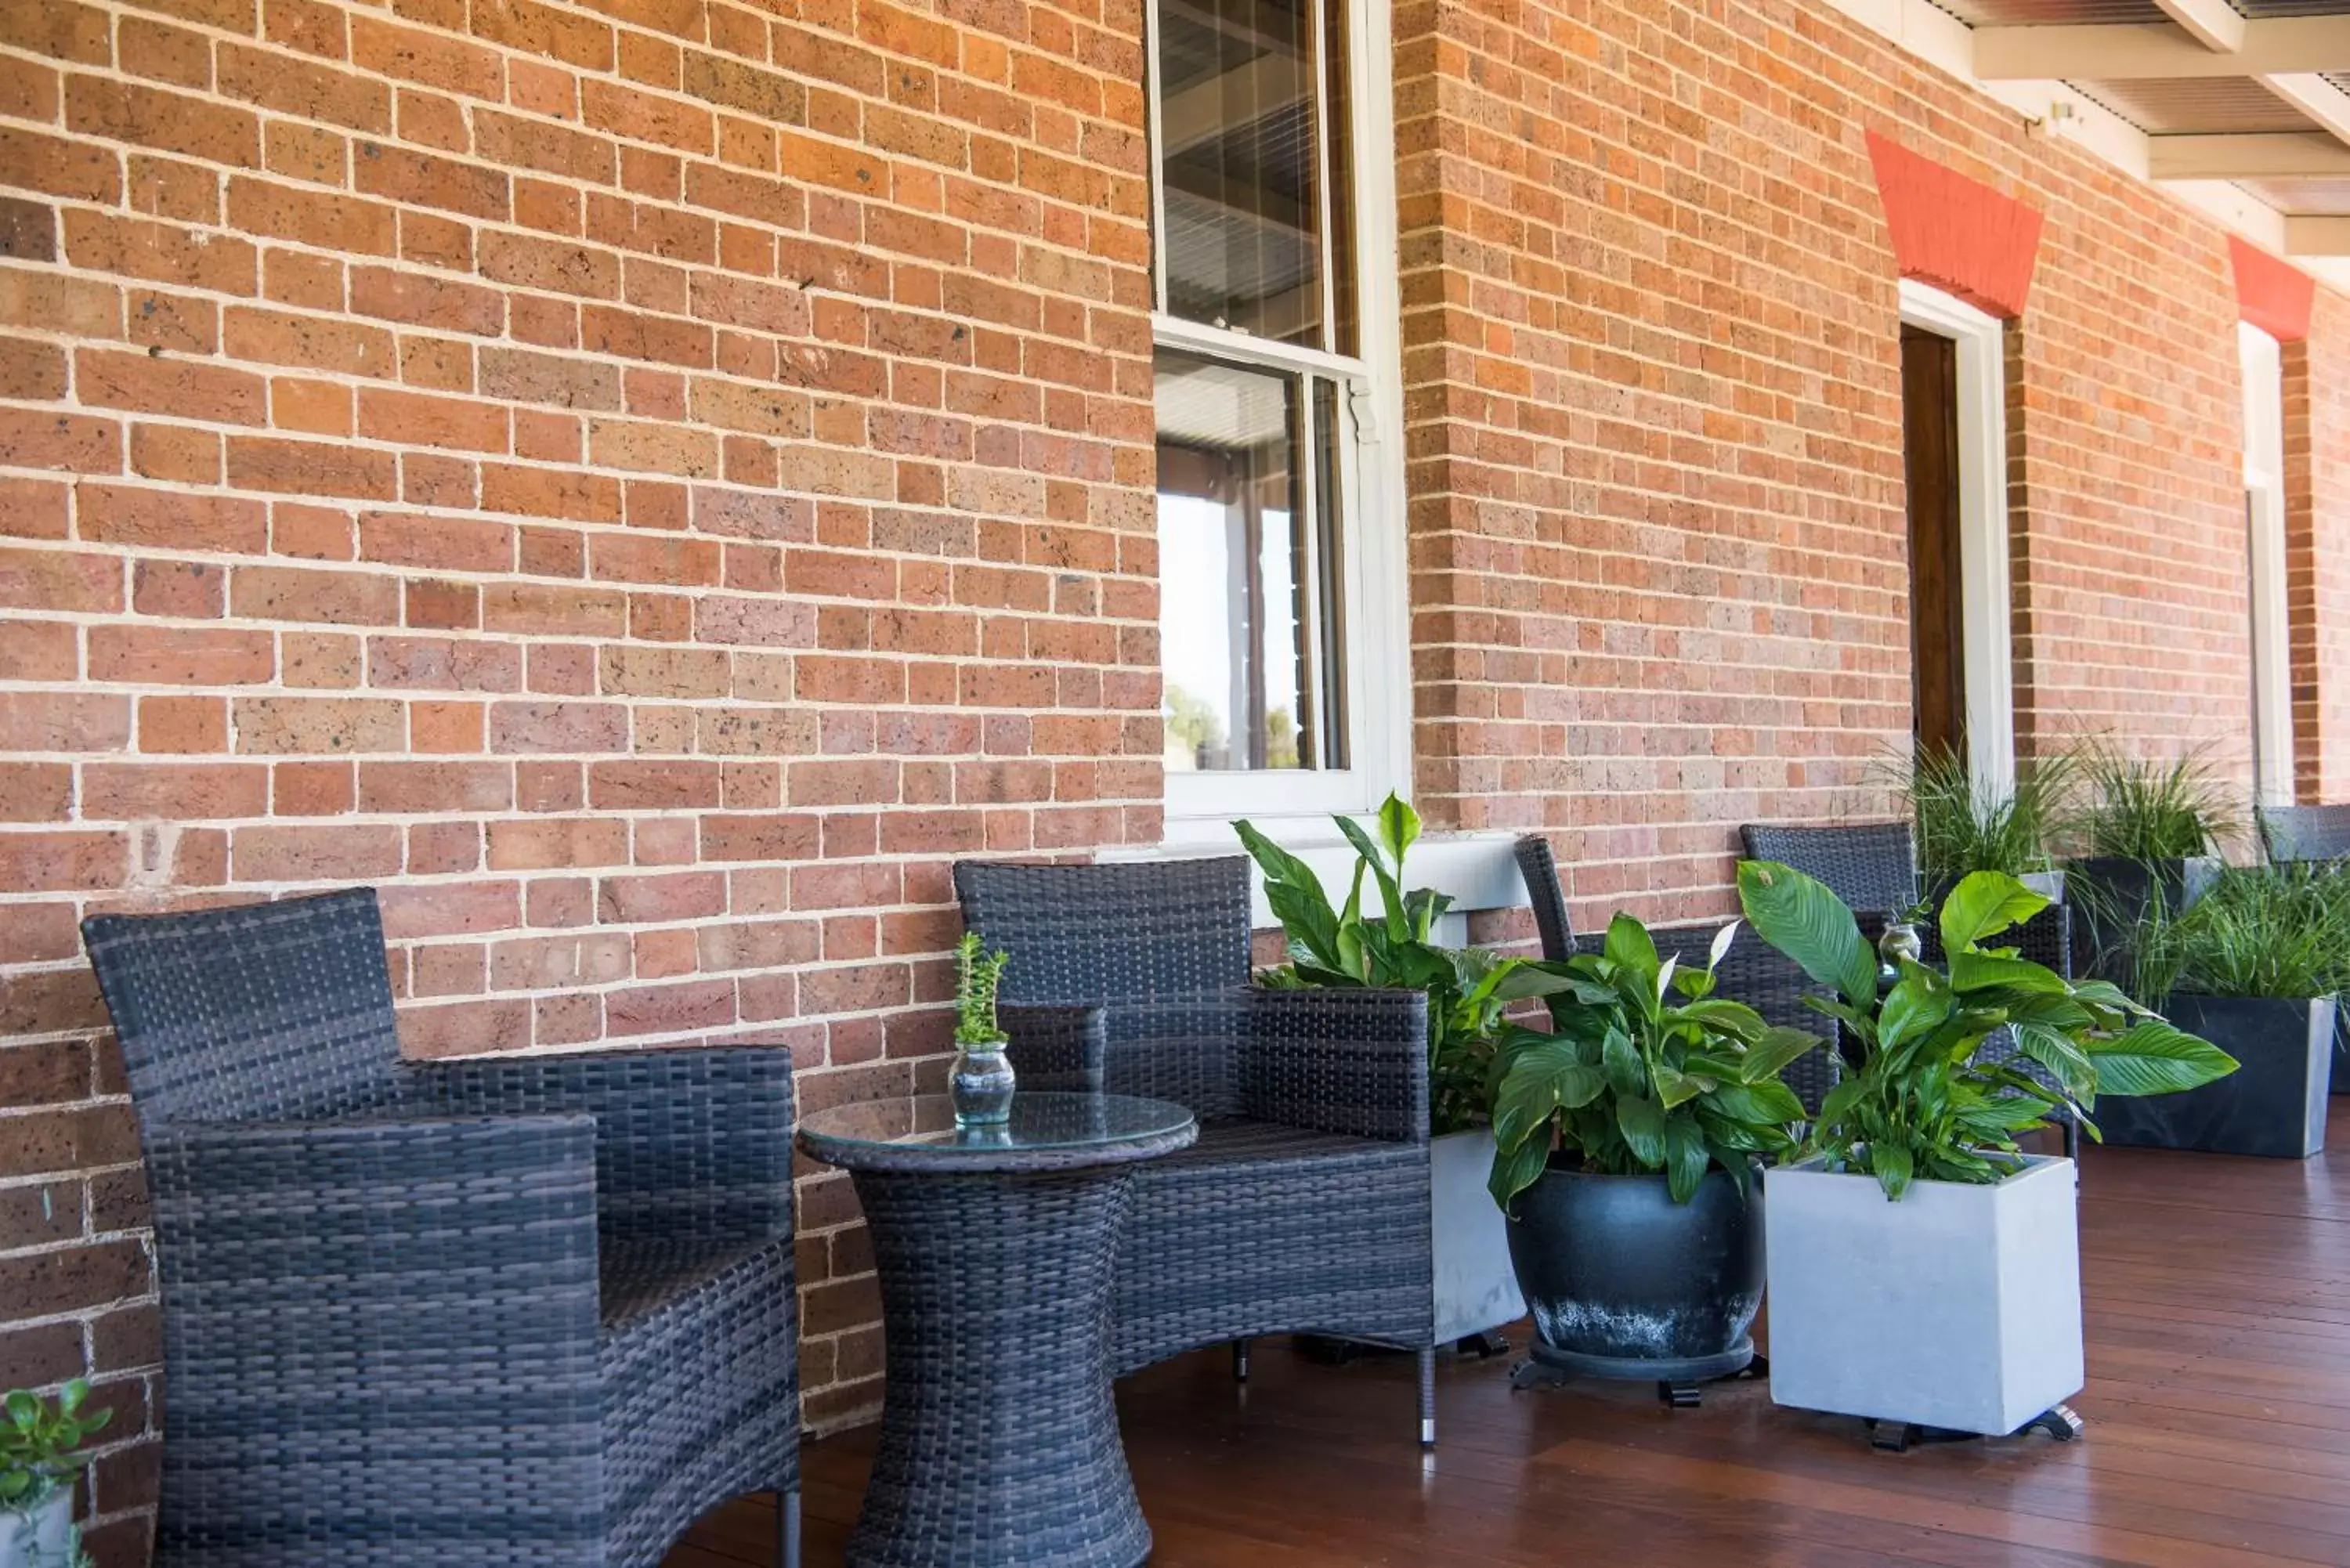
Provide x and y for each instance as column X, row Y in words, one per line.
column 2317, row 554
column 1653, row 403
column 645, row 480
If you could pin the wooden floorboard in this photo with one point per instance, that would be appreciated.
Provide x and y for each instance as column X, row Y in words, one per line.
column 2218, row 1296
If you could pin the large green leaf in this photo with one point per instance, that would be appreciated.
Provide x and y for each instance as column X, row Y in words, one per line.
column 1390, row 889
column 1893, row 1167
column 1917, row 1004
column 1628, row 943
column 1779, row 1048
column 1296, row 896
column 1767, row 1103
column 1543, row 1079
column 1398, row 827
column 1685, row 1156
column 1971, row 971
column 2154, row 1057
column 1809, row 924
column 1642, row 1123
column 1626, row 1073
column 2054, row 1051
column 1675, row 1087
column 1984, row 904
column 1516, row 1169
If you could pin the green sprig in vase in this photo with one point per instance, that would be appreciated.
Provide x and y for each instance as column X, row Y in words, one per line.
column 982, row 1081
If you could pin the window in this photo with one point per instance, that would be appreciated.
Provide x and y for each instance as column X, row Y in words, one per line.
column 2264, row 538
column 1277, row 384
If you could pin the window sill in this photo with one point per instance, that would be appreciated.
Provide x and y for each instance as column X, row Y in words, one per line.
column 1478, row 870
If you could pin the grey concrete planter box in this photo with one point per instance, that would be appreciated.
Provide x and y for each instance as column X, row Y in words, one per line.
column 1475, row 1288
column 2273, row 1104
column 42, row 1536
column 1957, row 1307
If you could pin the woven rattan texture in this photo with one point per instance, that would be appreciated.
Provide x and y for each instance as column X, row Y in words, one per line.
column 1304, row 1206
column 999, row 1437
column 2306, row 832
column 1869, row 865
column 385, row 1338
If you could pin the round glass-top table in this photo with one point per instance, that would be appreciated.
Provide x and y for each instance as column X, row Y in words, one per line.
column 996, row 1248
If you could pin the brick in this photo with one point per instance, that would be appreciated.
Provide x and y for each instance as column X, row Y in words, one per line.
column 56, row 166
column 310, row 342
column 179, row 656
column 60, row 861
column 301, row 594
column 422, row 300
column 558, row 727
column 172, row 791
column 169, row 519
column 38, row 651
column 305, row 89
column 60, row 580
column 310, row 468
column 342, row 853
column 312, row 725
column 35, row 438
column 174, row 122
column 547, row 843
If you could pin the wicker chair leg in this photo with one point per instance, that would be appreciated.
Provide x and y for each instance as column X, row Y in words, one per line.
column 1240, row 1360
column 787, row 1528
column 1428, row 1397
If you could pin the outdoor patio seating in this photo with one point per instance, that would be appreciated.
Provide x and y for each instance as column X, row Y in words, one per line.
column 1304, row 1207
column 540, row 1306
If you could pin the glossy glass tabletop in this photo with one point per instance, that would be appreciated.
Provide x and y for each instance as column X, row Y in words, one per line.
column 1046, row 1131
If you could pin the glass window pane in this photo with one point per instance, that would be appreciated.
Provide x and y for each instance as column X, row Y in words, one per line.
column 1241, row 166
column 1246, row 567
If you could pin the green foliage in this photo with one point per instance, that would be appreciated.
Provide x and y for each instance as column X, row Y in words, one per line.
column 1962, row 828
column 1918, row 1106
column 1469, row 991
column 2130, row 808
column 41, row 1442
column 2270, row 930
column 1645, row 1071
column 977, row 974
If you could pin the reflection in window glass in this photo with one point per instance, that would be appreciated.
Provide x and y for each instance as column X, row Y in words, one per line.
column 1246, row 562
column 1241, row 127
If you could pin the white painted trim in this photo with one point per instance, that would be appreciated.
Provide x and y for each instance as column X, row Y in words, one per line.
column 2216, row 23
column 2127, row 51
column 1480, row 870
column 2264, row 368
column 1986, row 621
column 1201, row 806
column 2262, row 155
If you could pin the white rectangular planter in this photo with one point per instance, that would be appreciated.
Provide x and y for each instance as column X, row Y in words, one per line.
column 42, row 1538
column 1475, row 1287
column 1957, row 1307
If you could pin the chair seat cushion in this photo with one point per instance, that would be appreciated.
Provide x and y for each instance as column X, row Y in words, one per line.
column 700, row 1398
column 1237, row 1141
column 1262, row 1229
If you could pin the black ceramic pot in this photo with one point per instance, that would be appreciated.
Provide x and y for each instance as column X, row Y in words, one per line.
column 1624, row 1282
column 2110, row 894
column 2273, row 1104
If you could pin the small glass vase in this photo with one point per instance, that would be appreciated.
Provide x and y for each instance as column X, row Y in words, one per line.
column 982, row 1084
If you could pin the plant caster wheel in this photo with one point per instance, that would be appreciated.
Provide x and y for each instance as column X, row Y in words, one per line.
column 1484, row 1345
column 1757, row 1370
column 2058, row 1421
column 1326, row 1350
column 1680, row 1395
column 1893, row 1436
column 1528, row 1375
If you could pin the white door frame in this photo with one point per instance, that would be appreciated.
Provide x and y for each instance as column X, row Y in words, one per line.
column 2273, row 760
column 1984, row 613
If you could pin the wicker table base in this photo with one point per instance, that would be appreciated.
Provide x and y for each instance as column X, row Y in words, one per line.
column 999, row 1437
column 996, row 1255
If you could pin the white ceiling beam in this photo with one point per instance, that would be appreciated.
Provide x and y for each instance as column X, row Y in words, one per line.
column 2215, row 24
column 2277, row 156
column 2315, row 97
column 2317, row 236
column 2143, row 50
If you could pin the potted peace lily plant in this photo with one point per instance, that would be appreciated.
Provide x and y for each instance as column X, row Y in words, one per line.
column 1924, row 1272
column 42, row 1449
column 1624, row 1145
column 1469, row 991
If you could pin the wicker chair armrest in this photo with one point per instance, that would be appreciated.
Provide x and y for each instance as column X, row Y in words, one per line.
column 1055, row 1046
column 690, row 1145
column 1334, row 1061
column 424, row 1288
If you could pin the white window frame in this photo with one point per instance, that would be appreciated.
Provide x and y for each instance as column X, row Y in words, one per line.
column 1985, row 614
column 1298, row 803
column 2272, row 760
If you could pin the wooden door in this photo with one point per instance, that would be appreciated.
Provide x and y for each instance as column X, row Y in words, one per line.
column 1929, row 426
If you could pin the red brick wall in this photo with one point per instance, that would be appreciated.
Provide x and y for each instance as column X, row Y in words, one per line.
column 2318, row 549
column 1651, row 364
column 647, row 481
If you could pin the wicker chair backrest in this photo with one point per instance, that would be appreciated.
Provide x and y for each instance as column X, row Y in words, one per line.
column 257, row 1012
column 1162, row 944
column 1539, row 866
column 2306, row 832
column 1870, row 865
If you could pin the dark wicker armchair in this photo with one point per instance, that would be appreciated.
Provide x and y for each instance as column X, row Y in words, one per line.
column 1750, row 973
column 1304, row 1206
column 522, row 1311
column 2303, row 833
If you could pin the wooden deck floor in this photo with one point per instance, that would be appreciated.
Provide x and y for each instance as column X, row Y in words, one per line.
column 2218, row 1412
